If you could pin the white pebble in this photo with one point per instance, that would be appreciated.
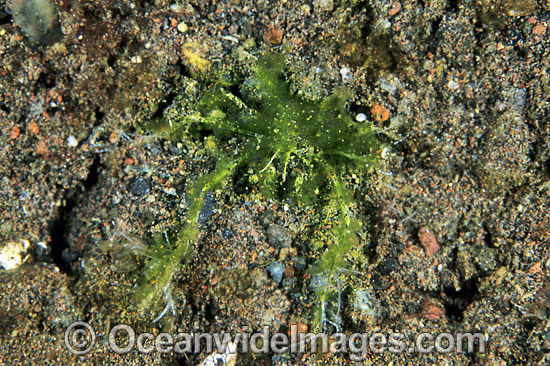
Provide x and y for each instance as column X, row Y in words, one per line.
column 72, row 141
column 344, row 71
column 453, row 85
column 12, row 253
column 361, row 117
column 385, row 24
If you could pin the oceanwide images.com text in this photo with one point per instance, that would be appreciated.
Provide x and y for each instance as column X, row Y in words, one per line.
column 80, row 339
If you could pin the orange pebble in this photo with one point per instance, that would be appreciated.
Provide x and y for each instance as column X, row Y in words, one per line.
column 42, row 148
column 33, row 128
column 432, row 310
column 379, row 113
column 14, row 133
column 113, row 137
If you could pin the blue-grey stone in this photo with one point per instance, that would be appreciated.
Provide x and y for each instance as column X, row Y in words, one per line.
column 276, row 270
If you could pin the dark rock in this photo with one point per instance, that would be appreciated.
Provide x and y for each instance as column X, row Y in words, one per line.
column 140, row 186
column 278, row 237
column 227, row 233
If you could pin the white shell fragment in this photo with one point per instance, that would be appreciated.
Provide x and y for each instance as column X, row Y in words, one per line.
column 12, row 253
column 228, row 358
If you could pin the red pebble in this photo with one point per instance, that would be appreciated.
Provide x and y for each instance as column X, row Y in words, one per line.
column 428, row 241
column 432, row 310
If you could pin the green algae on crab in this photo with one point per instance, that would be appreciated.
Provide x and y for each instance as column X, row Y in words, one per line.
column 290, row 148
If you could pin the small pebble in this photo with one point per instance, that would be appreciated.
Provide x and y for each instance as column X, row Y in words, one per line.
column 361, row 117
column 72, row 141
column 432, row 310
column 278, row 236
column 12, row 253
column 453, row 85
column 345, row 72
column 384, row 24
column 14, row 133
column 140, row 186
column 379, row 113
column 428, row 241
column 276, row 270
column 33, row 128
